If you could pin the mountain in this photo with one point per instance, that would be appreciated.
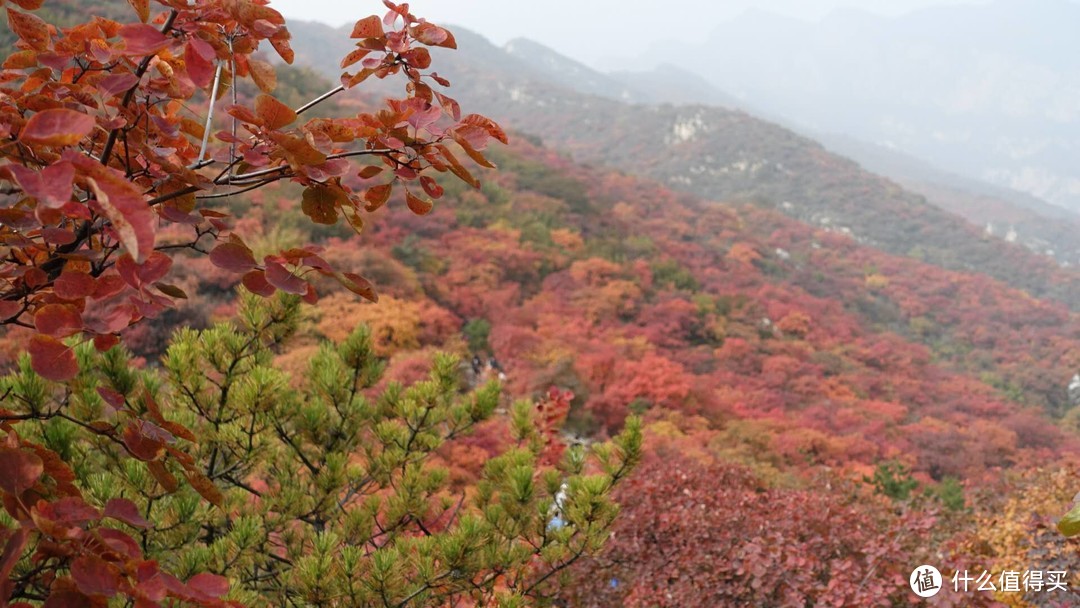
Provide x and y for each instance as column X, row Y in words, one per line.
column 723, row 155
column 1040, row 226
column 987, row 91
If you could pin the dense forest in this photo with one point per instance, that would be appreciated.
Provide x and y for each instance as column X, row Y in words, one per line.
column 629, row 394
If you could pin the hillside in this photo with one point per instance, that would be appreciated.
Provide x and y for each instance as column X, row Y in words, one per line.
column 726, row 155
column 795, row 363
column 834, row 380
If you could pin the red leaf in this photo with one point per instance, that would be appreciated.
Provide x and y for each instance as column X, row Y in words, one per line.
column 273, row 113
column 114, row 84
column 129, row 214
column 433, row 189
column 142, row 39
column 70, row 510
column 52, row 185
column 128, row 269
column 419, row 58
column 156, row 266
column 232, row 257
column 113, row 398
column 122, row 509
column 58, row 320
column 95, row 576
column 104, row 342
column 58, row 236
column 209, row 585
column 62, row 597
column 418, row 205
column 140, row 445
column 52, row 359
column 280, row 277
column 200, row 65
column 120, row 542
column 255, row 282
column 12, row 552
column 121, row 202
column 433, row 35
column 9, row 308
column 358, row 285
column 57, row 127
column 368, row 27
column 108, row 285
column 19, row 470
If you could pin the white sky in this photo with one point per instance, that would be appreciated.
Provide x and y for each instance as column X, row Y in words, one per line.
column 590, row 30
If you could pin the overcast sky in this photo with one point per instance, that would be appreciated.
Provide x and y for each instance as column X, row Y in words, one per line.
column 590, row 30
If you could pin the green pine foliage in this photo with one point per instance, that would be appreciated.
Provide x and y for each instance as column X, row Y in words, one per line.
column 320, row 491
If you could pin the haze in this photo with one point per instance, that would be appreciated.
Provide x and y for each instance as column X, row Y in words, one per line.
column 597, row 32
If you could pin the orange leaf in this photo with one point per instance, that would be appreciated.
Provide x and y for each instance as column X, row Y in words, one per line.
column 377, row 196
column 358, row 285
column 30, row 28
column 273, row 113
column 162, row 475
column 263, row 74
column 321, row 203
column 205, row 488
column 368, row 27
column 418, row 205
column 353, row 57
column 142, row 7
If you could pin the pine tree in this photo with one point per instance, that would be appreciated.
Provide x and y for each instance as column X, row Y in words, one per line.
column 311, row 491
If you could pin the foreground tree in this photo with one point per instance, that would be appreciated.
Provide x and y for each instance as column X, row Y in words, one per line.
column 219, row 481
column 111, row 141
column 315, row 491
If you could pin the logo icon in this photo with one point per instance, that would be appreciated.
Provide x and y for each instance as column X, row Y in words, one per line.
column 925, row 581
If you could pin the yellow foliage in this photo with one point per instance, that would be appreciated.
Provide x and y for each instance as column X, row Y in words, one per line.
column 877, row 281
column 394, row 323
column 1014, row 536
column 567, row 239
column 744, row 253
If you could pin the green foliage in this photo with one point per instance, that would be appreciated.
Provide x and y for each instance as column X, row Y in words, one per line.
column 951, row 493
column 476, row 332
column 671, row 273
column 321, row 491
column 893, row 479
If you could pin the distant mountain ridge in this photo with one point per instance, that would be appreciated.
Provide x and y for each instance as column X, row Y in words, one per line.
column 724, row 155
column 989, row 91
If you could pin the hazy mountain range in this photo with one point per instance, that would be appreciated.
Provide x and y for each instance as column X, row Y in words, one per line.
column 988, row 91
column 726, row 154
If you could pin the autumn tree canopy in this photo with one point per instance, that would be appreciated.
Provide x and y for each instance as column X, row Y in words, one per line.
column 114, row 159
